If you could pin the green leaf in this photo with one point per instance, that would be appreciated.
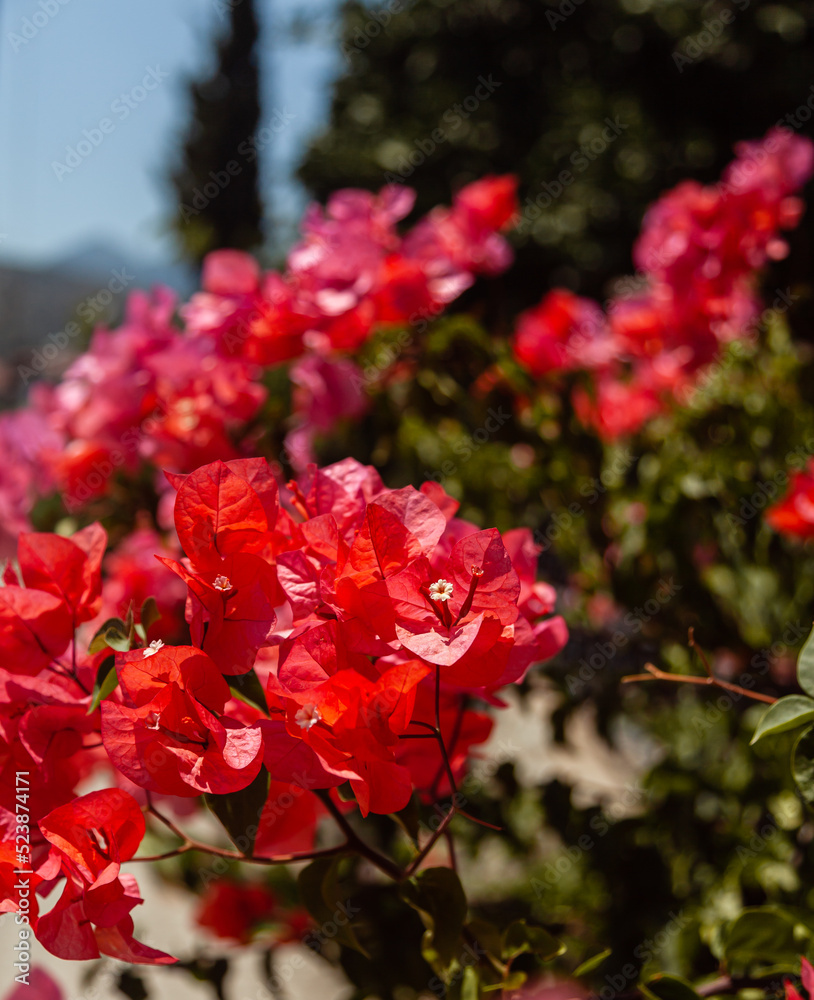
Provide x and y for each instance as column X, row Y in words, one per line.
column 802, row 764
column 805, row 665
column 113, row 629
column 107, row 680
column 130, row 623
column 513, row 981
column 761, row 935
column 470, row 989
column 149, row 613
column 665, row 986
column 487, row 935
column 519, row 937
column 116, row 640
column 345, row 792
column 322, row 897
column 247, row 687
column 239, row 812
column 437, row 895
column 791, row 712
column 409, row 819
column 592, row 963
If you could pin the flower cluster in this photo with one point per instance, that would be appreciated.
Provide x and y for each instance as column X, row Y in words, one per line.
column 179, row 397
column 698, row 257
column 352, row 271
column 369, row 619
column 49, row 744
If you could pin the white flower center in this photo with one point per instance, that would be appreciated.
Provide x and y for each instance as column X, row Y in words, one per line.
column 222, row 583
column 307, row 716
column 153, row 648
column 441, row 590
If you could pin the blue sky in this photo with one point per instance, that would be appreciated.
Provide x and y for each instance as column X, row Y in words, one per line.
column 85, row 61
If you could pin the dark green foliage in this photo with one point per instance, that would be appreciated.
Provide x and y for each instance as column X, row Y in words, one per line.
column 225, row 114
column 559, row 79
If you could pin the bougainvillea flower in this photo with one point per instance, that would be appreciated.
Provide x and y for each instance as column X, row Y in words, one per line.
column 91, row 837
column 39, row 986
column 95, row 833
column 348, row 603
column 16, row 896
column 165, row 730
column 233, row 911
column 807, row 976
column 68, row 568
column 288, row 822
column 698, row 260
column 230, row 608
column 132, row 574
column 67, row 931
column 225, row 508
column 794, row 514
column 352, row 724
column 26, row 437
column 463, row 729
column 35, row 628
column 460, row 619
column 562, row 333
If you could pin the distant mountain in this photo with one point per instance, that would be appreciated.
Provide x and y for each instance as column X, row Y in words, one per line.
column 85, row 288
column 95, row 260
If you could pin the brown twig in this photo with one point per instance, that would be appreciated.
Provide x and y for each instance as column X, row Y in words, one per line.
column 354, row 842
column 188, row 844
column 445, row 762
column 702, row 656
column 453, row 860
column 281, row 859
column 653, row 673
column 415, row 864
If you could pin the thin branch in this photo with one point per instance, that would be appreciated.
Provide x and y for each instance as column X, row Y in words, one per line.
column 281, row 859
column 451, row 848
column 425, row 850
column 480, row 822
column 445, row 766
column 653, row 673
column 188, row 844
column 354, row 842
column 701, row 654
column 165, row 820
column 426, row 725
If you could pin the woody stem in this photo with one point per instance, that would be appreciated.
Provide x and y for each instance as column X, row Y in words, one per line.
column 193, row 845
column 282, row 859
column 701, row 655
column 653, row 673
column 354, row 842
column 416, row 862
column 440, row 737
